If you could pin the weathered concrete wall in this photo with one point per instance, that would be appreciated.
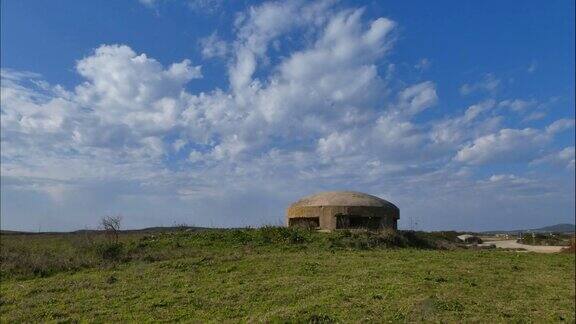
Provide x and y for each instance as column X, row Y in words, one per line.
column 328, row 214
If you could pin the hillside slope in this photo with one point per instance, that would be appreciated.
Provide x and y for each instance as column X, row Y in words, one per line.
column 278, row 275
column 558, row 228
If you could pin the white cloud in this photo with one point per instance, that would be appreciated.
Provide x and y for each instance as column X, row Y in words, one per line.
column 337, row 144
column 513, row 188
column 500, row 177
column 213, row 46
column 507, row 178
column 489, row 83
column 113, row 121
column 124, row 88
column 131, row 110
column 205, row 6
column 532, row 67
column 416, row 98
column 149, row 3
column 474, row 122
column 423, row 64
column 199, row 6
column 564, row 158
column 261, row 25
column 517, row 105
column 511, row 145
column 560, row 125
column 537, row 115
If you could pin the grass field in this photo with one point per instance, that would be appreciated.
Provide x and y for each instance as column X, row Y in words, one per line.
column 278, row 275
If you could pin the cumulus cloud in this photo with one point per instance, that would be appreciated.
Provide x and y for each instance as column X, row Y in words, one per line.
column 563, row 158
column 560, row 125
column 127, row 104
column 418, row 97
column 567, row 156
column 213, row 46
column 131, row 111
column 507, row 145
column 511, row 145
column 475, row 121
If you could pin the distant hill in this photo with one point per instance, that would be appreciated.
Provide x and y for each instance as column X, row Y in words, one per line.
column 82, row 231
column 558, row 228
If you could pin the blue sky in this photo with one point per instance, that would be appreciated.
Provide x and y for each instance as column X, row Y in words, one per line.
column 221, row 113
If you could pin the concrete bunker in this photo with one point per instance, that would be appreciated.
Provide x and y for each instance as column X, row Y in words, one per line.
column 342, row 210
column 305, row 222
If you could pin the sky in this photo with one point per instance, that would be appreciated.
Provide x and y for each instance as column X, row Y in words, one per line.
column 222, row 113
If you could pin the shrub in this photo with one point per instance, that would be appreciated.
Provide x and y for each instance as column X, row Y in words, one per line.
column 291, row 235
column 572, row 247
column 448, row 305
column 297, row 236
column 109, row 250
column 541, row 239
column 44, row 256
column 320, row 318
column 111, row 226
column 387, row 238
column 240, row 236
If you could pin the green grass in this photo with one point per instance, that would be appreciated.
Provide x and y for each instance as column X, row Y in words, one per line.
column 279, row 275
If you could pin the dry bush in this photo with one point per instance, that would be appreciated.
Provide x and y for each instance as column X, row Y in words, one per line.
column 111, row 226
column 572, row 247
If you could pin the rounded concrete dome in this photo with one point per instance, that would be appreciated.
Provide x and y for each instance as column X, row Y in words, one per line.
column 342, row 198
column 342, row 209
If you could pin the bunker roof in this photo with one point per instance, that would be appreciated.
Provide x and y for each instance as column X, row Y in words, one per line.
column 342, row 198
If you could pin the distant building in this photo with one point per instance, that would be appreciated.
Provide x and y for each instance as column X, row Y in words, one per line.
column 467, row 238
column 343, row 209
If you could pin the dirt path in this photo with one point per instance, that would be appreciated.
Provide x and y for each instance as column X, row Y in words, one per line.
column 512, row 244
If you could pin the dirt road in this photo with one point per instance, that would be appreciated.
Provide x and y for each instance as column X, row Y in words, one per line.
column 512, row 244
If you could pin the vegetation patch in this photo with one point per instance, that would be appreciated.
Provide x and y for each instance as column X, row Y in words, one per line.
column 277, row 275
column 27, row 256
column 545, row 239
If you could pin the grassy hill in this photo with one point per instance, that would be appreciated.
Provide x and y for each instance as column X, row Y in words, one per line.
column 277, row 275
column 558, row 228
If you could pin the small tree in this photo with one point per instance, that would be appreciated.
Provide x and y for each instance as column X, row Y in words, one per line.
column 111, row 226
